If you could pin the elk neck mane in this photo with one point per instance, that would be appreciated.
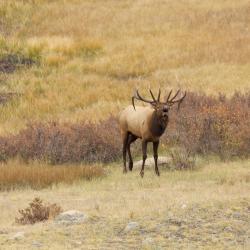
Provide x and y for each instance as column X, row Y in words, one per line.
column 157, row 125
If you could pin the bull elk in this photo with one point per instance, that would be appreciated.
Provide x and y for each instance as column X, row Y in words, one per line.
column 147, row 123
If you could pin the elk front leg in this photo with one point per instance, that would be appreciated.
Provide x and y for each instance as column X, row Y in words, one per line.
column 155, row 149
column 124, row 151
column 144, row 156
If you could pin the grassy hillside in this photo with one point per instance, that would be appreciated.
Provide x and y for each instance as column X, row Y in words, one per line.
column 73, row 61
column 88, row 56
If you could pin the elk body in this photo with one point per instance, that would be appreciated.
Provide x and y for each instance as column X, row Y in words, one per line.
column 147, row 123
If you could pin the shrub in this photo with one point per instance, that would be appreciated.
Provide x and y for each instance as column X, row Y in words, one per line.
column 182, row 160
column 204, row 125
column 57, row 144
column 5, row 97
column 16, row 55
column 37, row 212
column 216, row 125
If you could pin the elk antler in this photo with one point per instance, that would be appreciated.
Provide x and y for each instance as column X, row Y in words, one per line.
column 169, row 95
column 159, row 95
column 173, row 101
column 140, row 98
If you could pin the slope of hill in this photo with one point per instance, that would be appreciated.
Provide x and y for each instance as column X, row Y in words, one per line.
column 88, row 56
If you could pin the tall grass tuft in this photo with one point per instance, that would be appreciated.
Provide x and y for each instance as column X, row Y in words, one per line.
column 15, row 55
column 16, row 175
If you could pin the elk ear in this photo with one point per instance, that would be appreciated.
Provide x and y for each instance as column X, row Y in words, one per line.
column 173, row 104
column 154, row 105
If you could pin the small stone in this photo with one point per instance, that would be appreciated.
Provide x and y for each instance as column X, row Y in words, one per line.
column 77, row 243
column 17, row 236
column 162, row 160
column 228, row 229
column 131, row 226
column 37, row 244
column 71, row 217
column 237, row 215
column 183, row 206
column 3, row 232
column 148, row 241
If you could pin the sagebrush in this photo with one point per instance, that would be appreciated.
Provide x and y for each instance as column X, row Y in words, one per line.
column 64, row 143
column 204, row 125
column 209, row 124
column 37, row 211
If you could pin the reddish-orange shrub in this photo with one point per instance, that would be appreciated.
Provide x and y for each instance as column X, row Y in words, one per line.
column 217, row 125
column 63, row 143
column 204, row 125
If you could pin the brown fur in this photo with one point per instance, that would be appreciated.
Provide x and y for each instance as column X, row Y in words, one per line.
column 147, row 123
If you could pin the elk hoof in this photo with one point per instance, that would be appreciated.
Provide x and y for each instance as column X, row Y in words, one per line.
column 142, row 174
column 130, row 166
column 124, row 171
column 157, row 173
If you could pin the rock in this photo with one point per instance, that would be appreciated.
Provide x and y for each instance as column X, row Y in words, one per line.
column 77, row 243
column 37, row 244
column 228, row 229
column 148, row 241
column 162, row 160
column 183, row 206
column 237, row 215
column 17, row 236
column 3, row 232
column 71, row 217
column 131, row 226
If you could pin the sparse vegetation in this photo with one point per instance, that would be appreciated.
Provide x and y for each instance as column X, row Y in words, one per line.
column 37, row 211
column 15, row 56
column 181, row 209
column 182, row 159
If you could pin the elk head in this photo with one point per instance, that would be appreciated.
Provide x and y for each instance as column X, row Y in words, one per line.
column 161, row 108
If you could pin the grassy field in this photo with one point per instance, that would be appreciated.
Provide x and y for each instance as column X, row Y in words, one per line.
column 74, row 61
column 91, row 55
column 203, row 209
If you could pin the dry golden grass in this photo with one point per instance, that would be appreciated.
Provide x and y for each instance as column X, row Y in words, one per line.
column 93, row 54
column 203, row 209
column 14, row 175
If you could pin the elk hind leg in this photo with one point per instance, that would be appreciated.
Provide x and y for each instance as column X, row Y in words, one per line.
column 124, row 150
column 131, row 139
